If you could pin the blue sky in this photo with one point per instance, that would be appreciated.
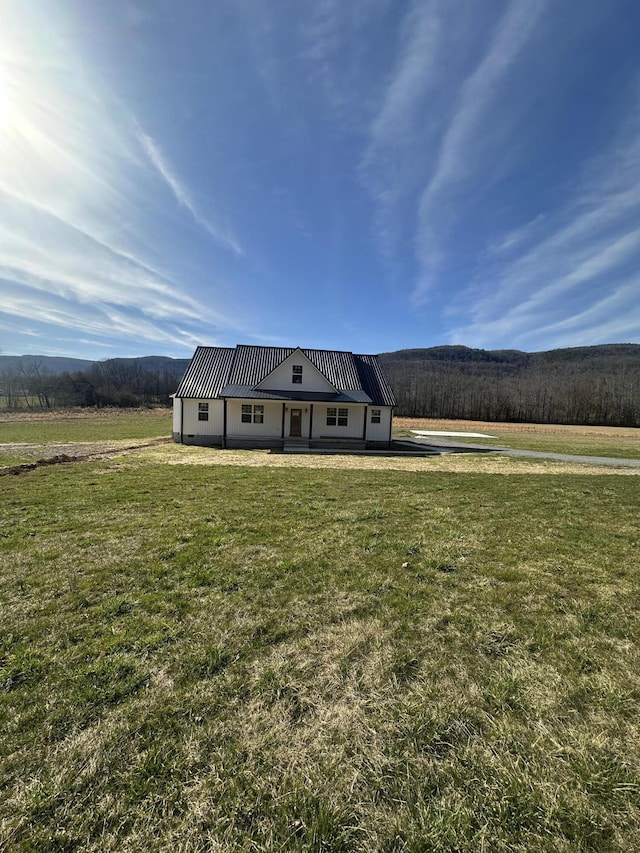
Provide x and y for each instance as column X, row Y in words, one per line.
column 367, row 175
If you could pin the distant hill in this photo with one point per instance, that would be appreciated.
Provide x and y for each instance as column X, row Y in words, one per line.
column 582, row 385
column 49, row 363
column 57, row 364
column 602, row 354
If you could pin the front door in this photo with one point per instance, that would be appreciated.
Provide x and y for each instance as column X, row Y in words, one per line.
column 295, row 424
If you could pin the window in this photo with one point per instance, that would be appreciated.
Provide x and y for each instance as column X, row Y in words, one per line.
column 252, row 413
column 337, row 416
column 375, row 416
column 203, row 411
column 297, row 374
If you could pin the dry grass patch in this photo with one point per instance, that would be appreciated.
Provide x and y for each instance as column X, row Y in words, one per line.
column 177, row 454
column 498, row 427
column 73, row 414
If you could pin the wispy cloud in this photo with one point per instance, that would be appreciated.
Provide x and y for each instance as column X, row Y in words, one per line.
column 83, row 211
column 401, row 131
column 609, row 317
column 422, row 151
column 574, row 266
column 336, row 42
column 457, row 162
column 47, row 251
column 414, row 75
column 101, row 321
column 519, row 237
column 183, row 196
column 444, row 135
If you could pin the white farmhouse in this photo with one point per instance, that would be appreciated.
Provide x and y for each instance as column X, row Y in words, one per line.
column 252, row 396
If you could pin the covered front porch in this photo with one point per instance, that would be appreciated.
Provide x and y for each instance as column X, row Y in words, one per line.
column 263, row 422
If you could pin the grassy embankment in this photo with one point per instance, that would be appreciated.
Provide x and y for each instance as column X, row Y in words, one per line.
column 252, row 658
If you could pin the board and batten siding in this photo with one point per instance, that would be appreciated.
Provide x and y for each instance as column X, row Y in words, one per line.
column 177, row 418
column 191, row 425
column 355, row 422
column 271, row 427
column 379, row 432
column 282, row 376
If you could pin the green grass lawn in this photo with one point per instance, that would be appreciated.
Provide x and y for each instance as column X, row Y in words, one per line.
column 201, row 658
column 24, row 441
column 104, row 425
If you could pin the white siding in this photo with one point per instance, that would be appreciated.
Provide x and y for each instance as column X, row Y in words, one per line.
column 281, row 378
column 355, row 422
column 177, row 415
column 271, row 426
column 192, row 426
column 379, row 432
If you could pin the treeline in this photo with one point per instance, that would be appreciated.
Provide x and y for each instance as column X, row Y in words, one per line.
column 118, row 382
column 583, row 385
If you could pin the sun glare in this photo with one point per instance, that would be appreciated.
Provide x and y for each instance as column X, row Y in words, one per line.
column 5, row 102
column 8, row 99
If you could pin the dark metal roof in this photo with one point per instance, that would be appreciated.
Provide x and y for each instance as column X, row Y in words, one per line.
column 207, row 373
column 222, row 371
column 249, row 393
column 338, row 367
column 252, row 364
column 373, row 379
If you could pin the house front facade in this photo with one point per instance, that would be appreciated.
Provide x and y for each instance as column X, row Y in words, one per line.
column 253, row 396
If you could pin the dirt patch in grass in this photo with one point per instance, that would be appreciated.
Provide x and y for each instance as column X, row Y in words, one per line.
column 56, row 454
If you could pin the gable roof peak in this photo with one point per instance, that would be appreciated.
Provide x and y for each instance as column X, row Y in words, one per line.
column 313, row 362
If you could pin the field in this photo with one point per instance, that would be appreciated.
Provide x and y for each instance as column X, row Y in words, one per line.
column 219, row 651
column 621, row 442
column 26, row 436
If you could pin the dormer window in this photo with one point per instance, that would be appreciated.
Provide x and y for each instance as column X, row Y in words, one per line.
column 296, row 377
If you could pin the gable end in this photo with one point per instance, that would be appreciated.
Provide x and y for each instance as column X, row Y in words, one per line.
column 308, row 376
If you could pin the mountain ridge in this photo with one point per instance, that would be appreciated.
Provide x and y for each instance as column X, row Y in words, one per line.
column 67, row 364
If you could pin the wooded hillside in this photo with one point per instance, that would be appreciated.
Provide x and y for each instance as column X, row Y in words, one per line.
column 38, row 382
column 582, row 385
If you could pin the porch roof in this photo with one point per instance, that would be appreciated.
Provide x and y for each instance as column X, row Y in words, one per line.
column 248, row 393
